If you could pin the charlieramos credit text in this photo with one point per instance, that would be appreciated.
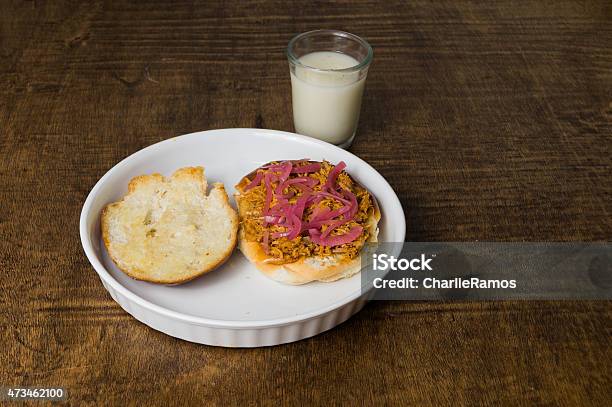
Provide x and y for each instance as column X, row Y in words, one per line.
column 386, row 263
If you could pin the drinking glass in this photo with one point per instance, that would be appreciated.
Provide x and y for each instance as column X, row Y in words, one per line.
column 328, row 72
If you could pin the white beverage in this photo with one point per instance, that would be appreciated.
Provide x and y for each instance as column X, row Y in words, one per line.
column 326, row 104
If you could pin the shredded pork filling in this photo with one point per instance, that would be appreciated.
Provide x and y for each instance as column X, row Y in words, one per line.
column 283, row 250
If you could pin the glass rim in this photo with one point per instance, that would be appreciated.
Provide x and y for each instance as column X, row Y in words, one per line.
column 367, row 60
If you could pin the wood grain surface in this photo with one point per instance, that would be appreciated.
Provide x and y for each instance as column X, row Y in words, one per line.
column 491, row 120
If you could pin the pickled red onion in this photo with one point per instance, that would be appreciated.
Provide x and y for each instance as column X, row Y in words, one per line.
column 268, row 200
column 300, row 205
column 325, row 219
column 329, row 195
column 289, row 216
column 348, row 237
column 285, row 171
column 256, row 181
column 311, row 182
column 272, row 219
column 333, row 175
column 302, row 169
column 276, row 235
column 296, row 228
column 333, row 225
column 354, row 205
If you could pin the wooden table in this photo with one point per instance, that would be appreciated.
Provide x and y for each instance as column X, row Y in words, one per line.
column 491, row 121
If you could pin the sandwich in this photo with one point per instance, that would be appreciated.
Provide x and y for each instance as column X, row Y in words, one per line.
column 169, row 230
column 303, row 221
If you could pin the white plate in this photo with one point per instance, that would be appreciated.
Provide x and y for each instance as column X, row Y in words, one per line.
column 234, row 305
